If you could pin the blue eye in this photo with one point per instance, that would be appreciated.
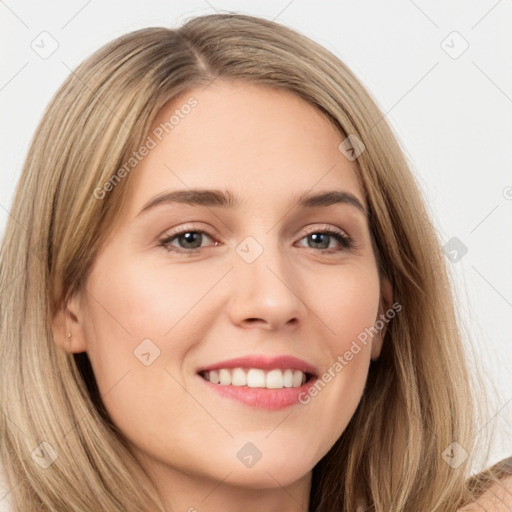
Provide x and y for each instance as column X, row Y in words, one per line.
column 190, row 241
column 322, row 239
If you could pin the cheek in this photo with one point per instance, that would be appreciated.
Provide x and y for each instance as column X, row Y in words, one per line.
column 131, row 302
column 141, row 322
column 347, row 302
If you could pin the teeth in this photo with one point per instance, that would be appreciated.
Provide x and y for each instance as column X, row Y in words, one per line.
column 274, row 379
column 225, row 377
column 297, row 379
column 256, row 378
column 214, row 377
column 288, row 378
column 239, row 377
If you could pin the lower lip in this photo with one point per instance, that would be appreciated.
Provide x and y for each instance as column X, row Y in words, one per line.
column 263, row 398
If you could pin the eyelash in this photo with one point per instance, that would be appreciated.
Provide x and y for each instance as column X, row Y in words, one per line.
column 344, row 240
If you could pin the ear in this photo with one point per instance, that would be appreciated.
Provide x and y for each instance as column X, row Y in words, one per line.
column 67, row 327
column 381, row 322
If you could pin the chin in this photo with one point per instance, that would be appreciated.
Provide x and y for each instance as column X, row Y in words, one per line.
column 270, row 476
column 276, row 468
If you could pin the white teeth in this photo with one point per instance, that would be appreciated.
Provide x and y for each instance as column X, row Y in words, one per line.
column 274, row 379
column 256, row 378
column 239, row 377
column 297, row 378
column 287, row 378
column 225, row 377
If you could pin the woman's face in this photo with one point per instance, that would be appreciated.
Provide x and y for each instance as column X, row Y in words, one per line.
column 244, row 289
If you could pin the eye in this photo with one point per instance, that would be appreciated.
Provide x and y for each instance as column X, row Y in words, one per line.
column 188, row 240
column 191, row 240
column 322, row 238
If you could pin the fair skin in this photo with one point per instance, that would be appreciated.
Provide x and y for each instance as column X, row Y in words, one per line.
column 297, row 299
column 497, row 498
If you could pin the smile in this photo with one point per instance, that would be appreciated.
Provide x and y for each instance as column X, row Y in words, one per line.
column 257, row 378
column 258, row 381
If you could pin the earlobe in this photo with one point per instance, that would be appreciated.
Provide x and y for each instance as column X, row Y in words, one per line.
column 381, row 322
column 67, row 329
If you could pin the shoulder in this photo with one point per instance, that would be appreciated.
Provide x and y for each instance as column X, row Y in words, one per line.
column 493, row 489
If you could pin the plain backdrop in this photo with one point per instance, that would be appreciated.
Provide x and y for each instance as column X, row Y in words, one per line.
column 441, row 73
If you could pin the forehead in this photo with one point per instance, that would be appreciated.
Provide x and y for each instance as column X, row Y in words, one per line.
column 262, row 143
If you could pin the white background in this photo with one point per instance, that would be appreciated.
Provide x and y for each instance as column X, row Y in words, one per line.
column 452, row 116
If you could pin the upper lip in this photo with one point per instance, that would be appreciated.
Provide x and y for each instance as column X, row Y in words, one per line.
column 264, row 363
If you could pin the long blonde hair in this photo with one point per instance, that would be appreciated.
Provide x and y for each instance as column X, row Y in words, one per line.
column 417, row 400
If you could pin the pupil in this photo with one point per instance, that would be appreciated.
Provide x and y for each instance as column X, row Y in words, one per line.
column 188, row 238
column 315, row 237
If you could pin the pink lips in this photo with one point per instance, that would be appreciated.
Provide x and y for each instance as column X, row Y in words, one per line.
column 272, row 399
column 263, row 362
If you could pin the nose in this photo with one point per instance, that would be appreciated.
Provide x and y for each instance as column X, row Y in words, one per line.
column 265, row 292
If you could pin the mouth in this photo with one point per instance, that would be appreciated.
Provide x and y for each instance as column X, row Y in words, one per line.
column 259, row 381
column 257, row 378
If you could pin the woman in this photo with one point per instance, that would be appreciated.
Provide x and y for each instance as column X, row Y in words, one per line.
column 224, row 291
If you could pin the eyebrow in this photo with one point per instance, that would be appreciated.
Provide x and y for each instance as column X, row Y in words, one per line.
column 225, row 199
